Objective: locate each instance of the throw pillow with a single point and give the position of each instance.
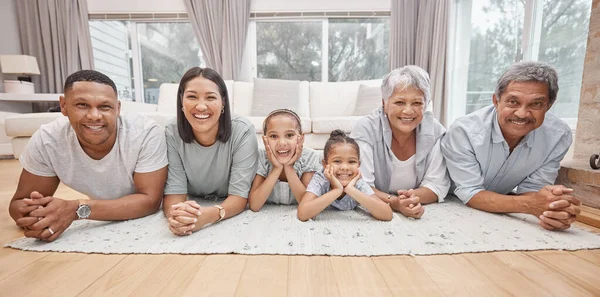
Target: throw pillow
(271, 94)
(368, 98)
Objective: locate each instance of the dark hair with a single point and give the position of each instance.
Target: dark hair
(338, 136)
(88, 75)
(530, 71)
(282, 111)
(185, 129)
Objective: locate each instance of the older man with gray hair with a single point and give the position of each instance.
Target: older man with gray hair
(505, 158)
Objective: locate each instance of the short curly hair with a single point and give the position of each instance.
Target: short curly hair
(338, 136)
(89, 75)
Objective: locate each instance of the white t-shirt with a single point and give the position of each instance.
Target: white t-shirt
(436, 178)
(54, 150)
(404, 174)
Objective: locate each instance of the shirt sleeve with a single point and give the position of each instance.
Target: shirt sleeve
(311, 163)
(362, 186)
(35, 159)
(153, 155)
(245, 163)
(436, 176)
(547, 173)
(317, 184)
(360, 134)
(262, 169)
(462, 163)
(176, 179)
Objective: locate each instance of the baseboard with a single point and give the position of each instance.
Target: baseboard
(589, 216)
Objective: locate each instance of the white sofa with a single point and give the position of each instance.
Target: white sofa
(323, 107)
(5, 140)
(20, 127)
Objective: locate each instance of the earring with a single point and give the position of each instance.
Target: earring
(182, 109)
(223, 110)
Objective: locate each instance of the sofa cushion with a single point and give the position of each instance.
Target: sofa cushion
(131, 106)
(270, 94)
(27, 123)
(159, 117)
(325, 125)
(328, 99)
(242, 105)
(368, 98)
(167, 98)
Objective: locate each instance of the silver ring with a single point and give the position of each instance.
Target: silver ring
(51, 232)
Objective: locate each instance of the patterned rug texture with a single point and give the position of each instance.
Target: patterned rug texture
(446, 228)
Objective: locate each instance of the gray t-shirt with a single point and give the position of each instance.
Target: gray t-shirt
(309, 161)
(216, 171)
(319, 185)
(54, 150)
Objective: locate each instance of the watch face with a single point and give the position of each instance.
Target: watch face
(84, 211)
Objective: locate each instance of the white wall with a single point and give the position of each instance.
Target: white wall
(9, 34)
(177, 6)
(135, 6)
(319, 5)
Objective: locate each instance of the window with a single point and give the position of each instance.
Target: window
(337, 49)
(167, 51)
(492, 34)
(497, 30)
(289, 50)
(562, 42)
(358, 49)
(112, 55)
(140, 56)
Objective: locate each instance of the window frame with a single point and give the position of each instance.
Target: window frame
(135, 50)
(251, 71)
(459, 51)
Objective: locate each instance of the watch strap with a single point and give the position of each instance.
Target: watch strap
(221, 212)
(82, 204)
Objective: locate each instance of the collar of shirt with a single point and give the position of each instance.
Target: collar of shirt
(497, 136)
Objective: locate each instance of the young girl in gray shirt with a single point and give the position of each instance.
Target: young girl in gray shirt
(284, 166)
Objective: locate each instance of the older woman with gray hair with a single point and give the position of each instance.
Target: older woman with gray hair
(399, 144)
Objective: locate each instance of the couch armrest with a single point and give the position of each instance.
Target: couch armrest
(26, 124)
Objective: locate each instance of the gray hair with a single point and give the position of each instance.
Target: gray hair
(404, 77)
(529, 71)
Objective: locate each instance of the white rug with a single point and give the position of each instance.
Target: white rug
(446, 228)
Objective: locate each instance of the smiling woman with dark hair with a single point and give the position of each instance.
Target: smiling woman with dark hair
(210, 154)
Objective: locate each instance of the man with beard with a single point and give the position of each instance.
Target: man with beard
(118, 161)
(505, 158)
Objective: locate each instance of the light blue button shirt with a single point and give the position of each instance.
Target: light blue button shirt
(320, 185)
(478, 158)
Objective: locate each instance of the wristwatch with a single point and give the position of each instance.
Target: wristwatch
(221, 212)
(84, 210)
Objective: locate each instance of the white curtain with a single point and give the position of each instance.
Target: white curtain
(419, 36)
(57, 33)
(221, 27)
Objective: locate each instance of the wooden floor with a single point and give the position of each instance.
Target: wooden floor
(541, 273)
